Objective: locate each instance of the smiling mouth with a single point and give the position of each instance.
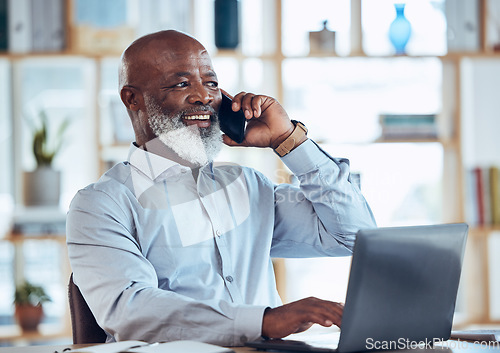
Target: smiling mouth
(202, 120)
(197, 117)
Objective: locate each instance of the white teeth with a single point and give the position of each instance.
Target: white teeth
(197, 117)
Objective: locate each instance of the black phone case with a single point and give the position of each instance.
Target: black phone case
(231, 123)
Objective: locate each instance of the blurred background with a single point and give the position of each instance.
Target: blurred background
(408, 91)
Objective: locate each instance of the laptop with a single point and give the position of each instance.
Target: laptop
(402, 290)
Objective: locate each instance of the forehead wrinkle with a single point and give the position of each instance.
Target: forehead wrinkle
(209, 73)
(154, 49)
(151, 58)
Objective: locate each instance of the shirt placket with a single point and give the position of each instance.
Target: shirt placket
(227, 271)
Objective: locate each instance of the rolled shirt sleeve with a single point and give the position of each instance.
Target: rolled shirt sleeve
(324, 212)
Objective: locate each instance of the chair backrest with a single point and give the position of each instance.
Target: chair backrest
(84, 326)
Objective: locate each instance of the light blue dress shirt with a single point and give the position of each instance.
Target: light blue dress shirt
(159, 255)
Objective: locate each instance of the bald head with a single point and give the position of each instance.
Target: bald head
(145, 55)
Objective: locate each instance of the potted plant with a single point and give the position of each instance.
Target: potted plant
(42, 186)
(28, 300)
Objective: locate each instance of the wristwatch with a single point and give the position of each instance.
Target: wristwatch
(291, 141)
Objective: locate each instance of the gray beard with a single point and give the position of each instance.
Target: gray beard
(195, 145)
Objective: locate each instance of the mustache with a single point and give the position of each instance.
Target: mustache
(203, 108)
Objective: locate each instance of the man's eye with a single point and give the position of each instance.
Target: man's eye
(181, 84)
(213, 84)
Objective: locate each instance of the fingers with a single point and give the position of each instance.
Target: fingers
(226, 94)
(268, 123)
(304, 327)
(230, 142)
(323, 312)
(250, 103)
(299, 316)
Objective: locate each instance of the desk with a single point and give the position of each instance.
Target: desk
(59, 349)
(454, 347)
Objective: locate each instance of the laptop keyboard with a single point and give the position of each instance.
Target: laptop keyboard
(324, 340)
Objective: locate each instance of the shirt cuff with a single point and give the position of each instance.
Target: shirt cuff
(248, 324)
(304, 158)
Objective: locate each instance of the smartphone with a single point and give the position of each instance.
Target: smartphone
(231, 123)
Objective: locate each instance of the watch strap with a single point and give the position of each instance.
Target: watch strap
(290, 142)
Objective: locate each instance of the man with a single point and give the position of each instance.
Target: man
(168, 246)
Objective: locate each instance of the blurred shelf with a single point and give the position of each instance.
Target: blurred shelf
(41, 55)
(46, 332)
(447, 143)
(455, 56)
(410, 140)
(237, 54)
(17, 237)
(482, 231)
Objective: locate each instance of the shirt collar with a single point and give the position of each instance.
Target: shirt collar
(150, 164)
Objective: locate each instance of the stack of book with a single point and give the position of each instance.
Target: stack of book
(32, 25)
(408, 126)
(483, 196)
(97, 26)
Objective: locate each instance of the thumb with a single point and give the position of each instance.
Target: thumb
(230, 142)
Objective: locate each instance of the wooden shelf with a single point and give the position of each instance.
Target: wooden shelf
(15, 237)
(483, 230)
(455, 56)
(238, 54)
(411, 140)
(19, 56)
(46, 332)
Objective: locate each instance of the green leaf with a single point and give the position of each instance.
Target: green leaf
(28, 293)
(42, 150)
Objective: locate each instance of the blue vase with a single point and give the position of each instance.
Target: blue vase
(400, 30)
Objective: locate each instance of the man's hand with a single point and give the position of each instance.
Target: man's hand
(268, 123)
(299, 316)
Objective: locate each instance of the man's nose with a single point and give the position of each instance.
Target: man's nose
(200, 95)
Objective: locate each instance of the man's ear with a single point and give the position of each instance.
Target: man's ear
(131, 97)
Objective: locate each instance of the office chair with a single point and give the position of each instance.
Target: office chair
(84, 326)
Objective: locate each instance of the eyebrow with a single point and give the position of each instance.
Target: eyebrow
(210, 73)
(182, 74)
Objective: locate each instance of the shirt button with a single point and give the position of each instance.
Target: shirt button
(218, 232)
(229, 279)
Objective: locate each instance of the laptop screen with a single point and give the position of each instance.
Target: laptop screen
(402, 290)
(402, 286)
